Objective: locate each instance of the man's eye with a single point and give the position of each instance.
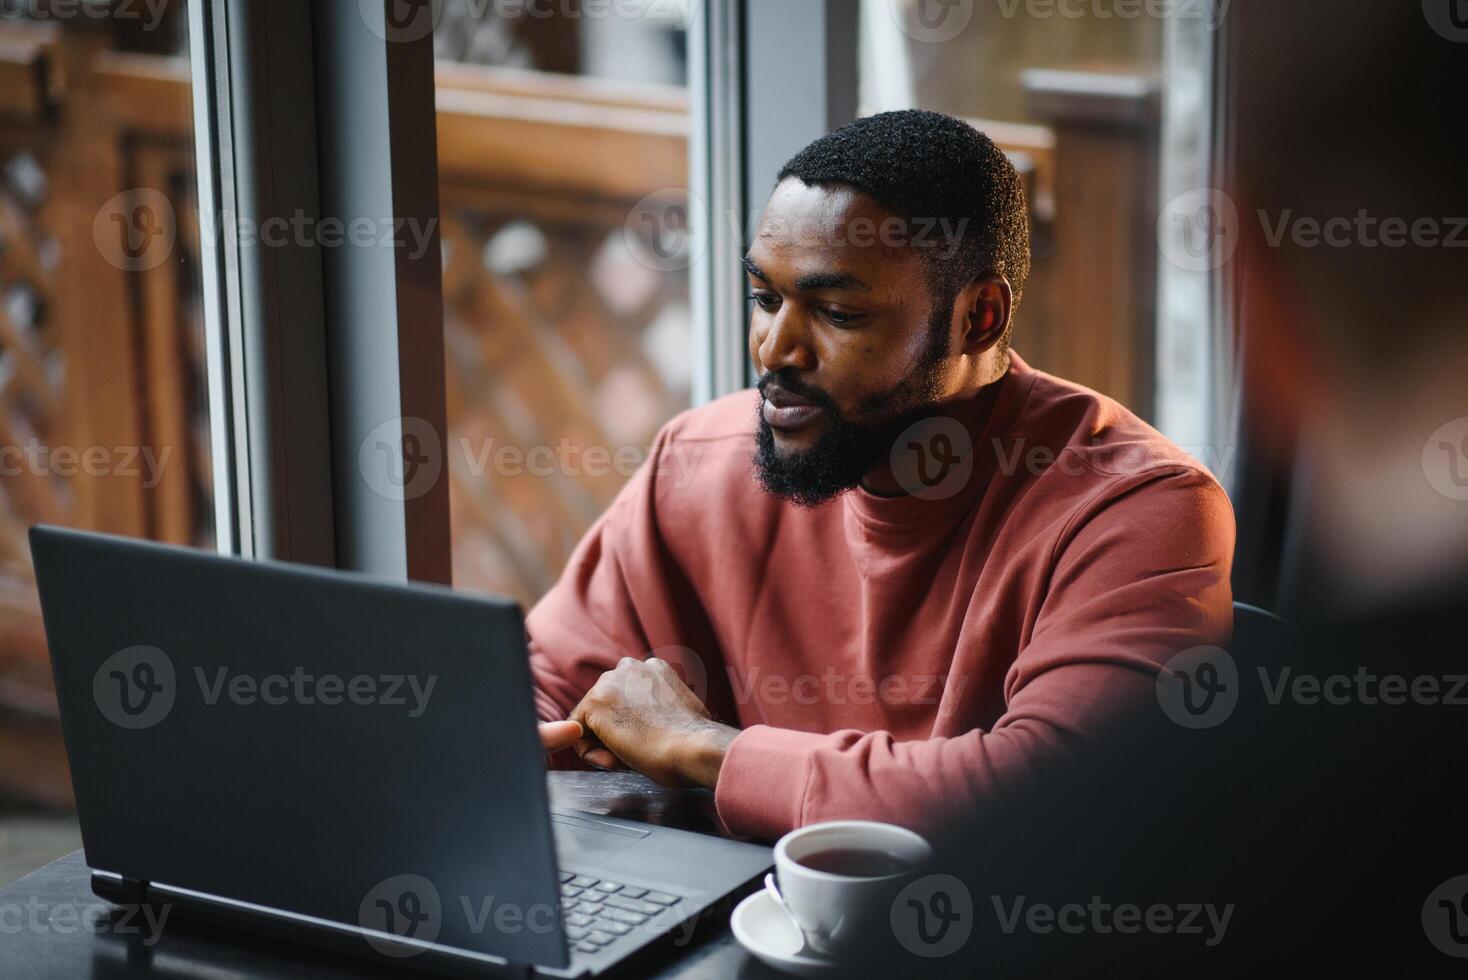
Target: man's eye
(766, 301)
(840, 319)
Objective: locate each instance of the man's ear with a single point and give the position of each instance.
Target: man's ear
(983, 309)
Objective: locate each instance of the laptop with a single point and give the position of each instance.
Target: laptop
(344, 761)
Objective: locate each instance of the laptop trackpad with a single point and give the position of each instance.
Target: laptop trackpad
(582, 839)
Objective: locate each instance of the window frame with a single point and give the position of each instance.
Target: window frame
(308, 110)
(1195, 388)
(808, 47)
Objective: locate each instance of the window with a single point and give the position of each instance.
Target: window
(561, 128)
(1105, 107)
(104, 407)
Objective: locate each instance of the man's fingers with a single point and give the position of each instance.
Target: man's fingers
(557, 735)
(602, 759)
(593, 753)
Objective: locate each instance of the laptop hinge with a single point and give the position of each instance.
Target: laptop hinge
(131, 891)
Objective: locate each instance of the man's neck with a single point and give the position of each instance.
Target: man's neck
(972, 408)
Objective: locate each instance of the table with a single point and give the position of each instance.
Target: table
(52, 926)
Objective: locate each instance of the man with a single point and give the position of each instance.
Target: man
(942, 568)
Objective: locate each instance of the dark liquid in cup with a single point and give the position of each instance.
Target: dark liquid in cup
(854, 862)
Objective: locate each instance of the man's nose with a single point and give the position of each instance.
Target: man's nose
(786, 344)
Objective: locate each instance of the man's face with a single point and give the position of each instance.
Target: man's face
(849, 343)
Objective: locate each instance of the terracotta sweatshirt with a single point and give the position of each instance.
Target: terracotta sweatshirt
(898, 658)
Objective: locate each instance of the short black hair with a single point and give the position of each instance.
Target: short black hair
(925, 166)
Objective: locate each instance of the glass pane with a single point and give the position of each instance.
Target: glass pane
(567, 326)
(1072, 93)
(103, 408)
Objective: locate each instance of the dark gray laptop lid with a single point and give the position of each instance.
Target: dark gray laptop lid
(310, 741)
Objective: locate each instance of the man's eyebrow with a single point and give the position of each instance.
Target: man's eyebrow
(812, 281)
(830, 280)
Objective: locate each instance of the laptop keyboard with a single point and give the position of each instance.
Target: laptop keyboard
(598, 912)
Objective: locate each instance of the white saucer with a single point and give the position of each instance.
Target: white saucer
(763, 928)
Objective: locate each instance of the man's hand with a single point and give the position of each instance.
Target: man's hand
(557, 735)
(643, 713)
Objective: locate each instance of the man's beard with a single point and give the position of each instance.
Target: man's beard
(848, 449)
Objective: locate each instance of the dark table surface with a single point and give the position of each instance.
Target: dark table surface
(53, 926)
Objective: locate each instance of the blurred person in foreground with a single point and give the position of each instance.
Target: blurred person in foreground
(1313, 817)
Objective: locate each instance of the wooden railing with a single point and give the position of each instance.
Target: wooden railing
(554, 332)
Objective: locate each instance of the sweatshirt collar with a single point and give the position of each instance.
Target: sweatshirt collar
(967, 482)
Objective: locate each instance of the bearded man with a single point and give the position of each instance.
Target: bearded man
(908, 570)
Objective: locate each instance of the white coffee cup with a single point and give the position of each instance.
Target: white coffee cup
(834, 910)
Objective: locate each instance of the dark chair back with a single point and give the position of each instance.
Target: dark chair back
(1257, 629)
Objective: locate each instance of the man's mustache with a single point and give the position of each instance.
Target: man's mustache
(800, 389)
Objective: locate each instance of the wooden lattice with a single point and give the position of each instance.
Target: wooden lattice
(559, 343)
(32, 393)
(99, 364)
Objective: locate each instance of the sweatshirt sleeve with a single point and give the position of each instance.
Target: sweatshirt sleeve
(612, 601)
(1141, 573)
